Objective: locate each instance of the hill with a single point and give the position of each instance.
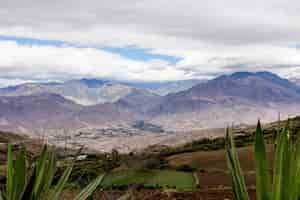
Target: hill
(242, 97)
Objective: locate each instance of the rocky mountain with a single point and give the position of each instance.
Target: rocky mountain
(242, 87)
(84, 91)
(164, 88)
(134, 106)
(95, 91)
(53, 112)
(89, 104)
(240, 97)
(40, 111)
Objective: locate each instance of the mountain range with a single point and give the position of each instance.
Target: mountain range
(87, 104)
(94, 91)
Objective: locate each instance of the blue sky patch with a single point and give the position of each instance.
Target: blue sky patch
(136, 53)
(131, 52)
(32, 41)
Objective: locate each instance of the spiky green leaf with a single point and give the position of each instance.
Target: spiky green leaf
(88, 190)
(263, 181)
(239, 186)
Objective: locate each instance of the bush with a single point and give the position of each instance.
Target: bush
(185, 168)
(153, 163)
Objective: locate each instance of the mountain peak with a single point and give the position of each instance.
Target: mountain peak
(262, 74)
(239, 75)
(93, 83)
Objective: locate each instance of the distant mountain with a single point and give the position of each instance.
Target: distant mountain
(53, 113)
(241, 97)
(27, 113)
(257, 88)
(296, 81)
(134, 106)
(83, 91)
(140, 101)
(164, 88)
(94, 91)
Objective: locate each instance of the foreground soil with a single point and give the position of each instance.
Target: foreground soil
(221, 194)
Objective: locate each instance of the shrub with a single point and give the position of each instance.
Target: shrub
(153, 163)
(185, 168)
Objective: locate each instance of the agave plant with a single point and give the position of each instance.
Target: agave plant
(285, 183)
(37, 184)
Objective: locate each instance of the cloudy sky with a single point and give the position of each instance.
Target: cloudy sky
(146, 40)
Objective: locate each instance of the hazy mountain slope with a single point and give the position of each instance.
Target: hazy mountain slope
(241, 98)
(83, 91)
(25, 89)
(140, 101)
(42, 111)
(91, 91)
(134, 106)
(164, 88)
(94, 91)
(176, 86)
(238, 88)
(53, 112)
(296, 81)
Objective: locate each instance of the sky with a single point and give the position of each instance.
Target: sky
(143, 40)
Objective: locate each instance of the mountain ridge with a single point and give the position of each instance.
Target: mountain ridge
(242, 97)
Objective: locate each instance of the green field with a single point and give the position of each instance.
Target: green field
(151, 178)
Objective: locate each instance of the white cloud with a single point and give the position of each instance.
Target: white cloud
(50, 62)
(5, 82)
(59, 63)
(212, 37)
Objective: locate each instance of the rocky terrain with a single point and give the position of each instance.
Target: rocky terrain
(56, 111)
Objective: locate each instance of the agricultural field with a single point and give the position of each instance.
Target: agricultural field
(192, 171)
(212, 166)
(151, 178)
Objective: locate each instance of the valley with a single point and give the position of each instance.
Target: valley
(137, 118)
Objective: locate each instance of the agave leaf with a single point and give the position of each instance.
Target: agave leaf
(29, 186)
(20, 174)
(288, 171)
(239, 186)
(51, 170)
(88, 190)
(279, 162)
(54, 194)
(292, 174)
(10, 173)
(1, 196)
(263, 181)
(296, 186)
(40, 174)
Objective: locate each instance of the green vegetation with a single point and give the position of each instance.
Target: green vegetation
(243, 137)
(36, 182)
(150, 178)
(6, 137)
(206, 145)
(199, 163)
(286, 167)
